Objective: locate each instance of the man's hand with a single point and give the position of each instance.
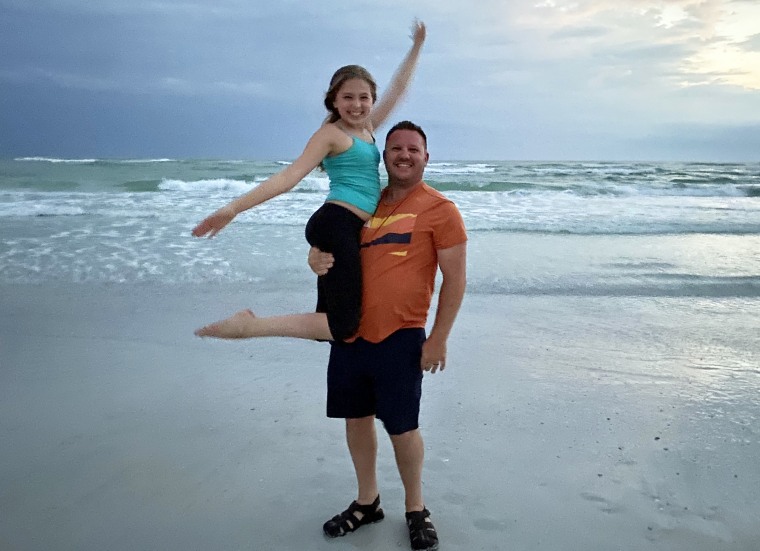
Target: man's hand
(320, 261)
(433, 355)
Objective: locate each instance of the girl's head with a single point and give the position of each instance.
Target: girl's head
(341, 76)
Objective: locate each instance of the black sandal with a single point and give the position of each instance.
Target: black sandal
(422, 533)
(348, 521)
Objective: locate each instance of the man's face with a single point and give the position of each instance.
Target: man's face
(405, 157)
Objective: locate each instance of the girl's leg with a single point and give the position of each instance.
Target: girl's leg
(332, 229)
(336, 230)
(245, 324)
(341, 288)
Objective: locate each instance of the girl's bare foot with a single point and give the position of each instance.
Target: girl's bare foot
(237, 326)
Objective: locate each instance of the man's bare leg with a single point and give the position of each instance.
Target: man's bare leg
(362, 444)
(245, 324)
(410, 455)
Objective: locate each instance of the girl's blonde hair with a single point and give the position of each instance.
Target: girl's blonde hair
(338, 79)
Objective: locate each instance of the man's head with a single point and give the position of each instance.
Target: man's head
(405, 154)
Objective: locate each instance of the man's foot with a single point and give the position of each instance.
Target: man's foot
(352, 518)
(422, 534)
(237, 326)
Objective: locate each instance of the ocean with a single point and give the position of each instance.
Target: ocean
(571, 228)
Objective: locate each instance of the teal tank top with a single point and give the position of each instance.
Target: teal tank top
(354, 175)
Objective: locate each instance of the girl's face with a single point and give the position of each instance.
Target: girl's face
(354, 102)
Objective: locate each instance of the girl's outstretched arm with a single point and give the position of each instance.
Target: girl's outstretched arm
(401, 78)
(319, 146)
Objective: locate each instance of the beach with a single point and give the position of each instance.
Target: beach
(601, 390)
(561, 422)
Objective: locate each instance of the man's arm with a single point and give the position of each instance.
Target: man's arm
(452, 262)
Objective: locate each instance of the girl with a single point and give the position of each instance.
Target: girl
(345, 147)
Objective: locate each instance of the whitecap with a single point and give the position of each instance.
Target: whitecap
(218, 184)
(54, 160)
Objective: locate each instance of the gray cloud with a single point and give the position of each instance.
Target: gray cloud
(246, 78)
(752, 44)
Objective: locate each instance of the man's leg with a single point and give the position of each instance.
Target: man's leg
(362, 444)
(349, 396)
(410, 455)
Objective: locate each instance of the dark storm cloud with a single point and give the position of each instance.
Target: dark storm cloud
(246, 78)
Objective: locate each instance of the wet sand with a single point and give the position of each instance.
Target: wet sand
(561, 423)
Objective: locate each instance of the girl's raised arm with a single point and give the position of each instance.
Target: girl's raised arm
(318, 147)
(401, 78)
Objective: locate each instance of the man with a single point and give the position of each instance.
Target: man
(414, 231)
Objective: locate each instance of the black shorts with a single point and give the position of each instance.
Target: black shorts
(337, 230)
(383, 379)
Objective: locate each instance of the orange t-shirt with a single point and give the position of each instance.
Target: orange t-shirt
(399, 260)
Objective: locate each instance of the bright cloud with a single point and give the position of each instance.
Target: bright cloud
(726, 57)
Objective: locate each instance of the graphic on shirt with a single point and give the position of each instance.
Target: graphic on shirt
(394, 229)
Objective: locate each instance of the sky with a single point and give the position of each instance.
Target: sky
(675, 80)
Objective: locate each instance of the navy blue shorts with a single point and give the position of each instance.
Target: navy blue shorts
(382, 379)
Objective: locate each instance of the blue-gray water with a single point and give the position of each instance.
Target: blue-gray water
(640, 229)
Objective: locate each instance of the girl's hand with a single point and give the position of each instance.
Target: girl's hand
(214, 223)
(418, 32)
